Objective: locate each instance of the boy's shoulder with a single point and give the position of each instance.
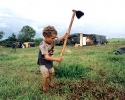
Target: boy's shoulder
(43, 43)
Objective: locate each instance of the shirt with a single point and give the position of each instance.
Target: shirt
(46, 48)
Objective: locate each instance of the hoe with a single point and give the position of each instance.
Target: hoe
(78, 14)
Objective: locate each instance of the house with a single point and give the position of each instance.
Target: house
(85, 39)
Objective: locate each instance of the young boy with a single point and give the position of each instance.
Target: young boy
(14, 46)
(45, 56)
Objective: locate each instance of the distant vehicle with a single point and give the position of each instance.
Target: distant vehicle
(28, 44)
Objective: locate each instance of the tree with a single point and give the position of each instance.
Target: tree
(9, 41)
(12, 37)
(26, 34)
(37, 41)
(1, 34)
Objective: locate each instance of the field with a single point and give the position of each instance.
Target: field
(86, 73)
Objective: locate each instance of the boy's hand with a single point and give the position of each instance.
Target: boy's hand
(59, 59)
(66, 35)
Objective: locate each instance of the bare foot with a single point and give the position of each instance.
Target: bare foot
(52, 85)
(44, 90)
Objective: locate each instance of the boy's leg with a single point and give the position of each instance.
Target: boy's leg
(45, 75)
(51, 81)
(44, 81)
(51, 76)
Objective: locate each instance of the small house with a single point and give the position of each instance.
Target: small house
(85, 39)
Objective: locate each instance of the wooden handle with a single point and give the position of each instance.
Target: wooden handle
(70, 25)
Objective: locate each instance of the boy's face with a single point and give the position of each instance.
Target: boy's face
(50, 39)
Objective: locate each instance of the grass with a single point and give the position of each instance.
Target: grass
(115, 40)
(86, 73)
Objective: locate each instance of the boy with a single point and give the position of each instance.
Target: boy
(14, 46)
(45, 56)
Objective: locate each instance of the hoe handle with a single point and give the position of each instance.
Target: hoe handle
(70, 25)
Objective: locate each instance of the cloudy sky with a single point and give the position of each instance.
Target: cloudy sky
(103, 17)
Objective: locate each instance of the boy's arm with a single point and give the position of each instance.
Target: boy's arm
(62, 37)
(48, 57)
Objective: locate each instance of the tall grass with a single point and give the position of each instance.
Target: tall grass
(73, 70)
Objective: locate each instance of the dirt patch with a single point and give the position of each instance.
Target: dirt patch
(88, 89)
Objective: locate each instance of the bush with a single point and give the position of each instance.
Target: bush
(37, 41)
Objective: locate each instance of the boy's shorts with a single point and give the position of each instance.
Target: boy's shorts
(46, 72)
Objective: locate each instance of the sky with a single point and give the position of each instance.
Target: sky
(102, 17)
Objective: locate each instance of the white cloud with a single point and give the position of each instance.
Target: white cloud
(3, 25)
(4, 15)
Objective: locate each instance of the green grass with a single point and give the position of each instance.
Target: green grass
(116, 40)
(85, 73)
